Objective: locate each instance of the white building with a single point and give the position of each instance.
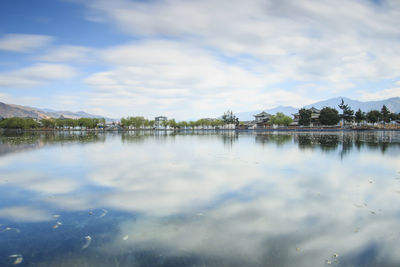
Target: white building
(158, 122)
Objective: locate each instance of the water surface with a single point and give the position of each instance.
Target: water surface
(200, 199)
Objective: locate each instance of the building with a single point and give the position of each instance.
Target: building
(158, 122)
(314, 117)
(261, 119)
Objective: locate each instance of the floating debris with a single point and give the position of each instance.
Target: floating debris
(18, 258)
(90, 212)
(58, 224)
(55, 216)
(125, 238)
(10, 229)
(200, 214)
(88, 241)
(373, 212)
(298, 249)
(104, 213)
(356, 230)
(370, 181)
(333, 259)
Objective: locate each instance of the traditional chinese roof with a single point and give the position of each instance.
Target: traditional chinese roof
(263, 114)
(314, 110)
(160, 118)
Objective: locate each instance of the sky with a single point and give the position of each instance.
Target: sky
(192, 59)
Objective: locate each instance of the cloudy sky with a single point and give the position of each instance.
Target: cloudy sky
(191, 59)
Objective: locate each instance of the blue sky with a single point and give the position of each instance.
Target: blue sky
(191, 59)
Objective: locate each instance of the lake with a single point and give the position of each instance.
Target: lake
(200, 199)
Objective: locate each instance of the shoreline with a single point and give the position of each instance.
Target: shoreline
(302, 129)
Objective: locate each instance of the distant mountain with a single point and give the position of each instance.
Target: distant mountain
(393, 104)
(10, 110)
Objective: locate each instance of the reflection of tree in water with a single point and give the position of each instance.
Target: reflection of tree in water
(278, 139)
(327, 142)
(346, 141)
(304, 141)
(317, 140)
(21, 141)
(229, 138)
(135, 136)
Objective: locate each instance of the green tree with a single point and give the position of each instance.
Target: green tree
(329, 116)
(48, 123)
(304, 117)
(151, 123)
(373, 116)
(172, 123)
(394, 116)
(165, 123)
(359, 116)
(19, 123)
(125, 122)
(385, 114)
(347, 112)
(217, 123)
(192, 124)
(280, 119)
(230, 118)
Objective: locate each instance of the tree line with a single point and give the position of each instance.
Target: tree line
(331, 116)
(30, 123)
(142, 123)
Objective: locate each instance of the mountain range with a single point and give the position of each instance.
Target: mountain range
(393, 104)
(10, 110)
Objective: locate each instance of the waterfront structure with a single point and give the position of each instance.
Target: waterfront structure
(158, 122)
(261, 119)
(314, 118)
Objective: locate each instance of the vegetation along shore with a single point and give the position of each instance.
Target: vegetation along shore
(305, 119)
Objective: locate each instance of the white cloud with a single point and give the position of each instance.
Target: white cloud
(382, 94)
(319, 40)
(232, 54)
(23, 42)
(21, 100)
(67, 53)
(156, 75)
(35, 75)
(25, 214)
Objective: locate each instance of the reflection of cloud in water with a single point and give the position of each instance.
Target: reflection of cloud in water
(255, 230)
(25, 214)
(40, 182)
(246, 205)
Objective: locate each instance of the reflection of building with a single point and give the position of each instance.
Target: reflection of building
(262, 119)
(158, 122)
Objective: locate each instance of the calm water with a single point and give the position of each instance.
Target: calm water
(287, 199)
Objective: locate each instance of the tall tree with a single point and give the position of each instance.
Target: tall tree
(385, 114)
(394, 116)
(230, 118)
(373, 116)
(304, 117)
(329, 116)
(347, 112)
(359, 116)
(280, 119)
